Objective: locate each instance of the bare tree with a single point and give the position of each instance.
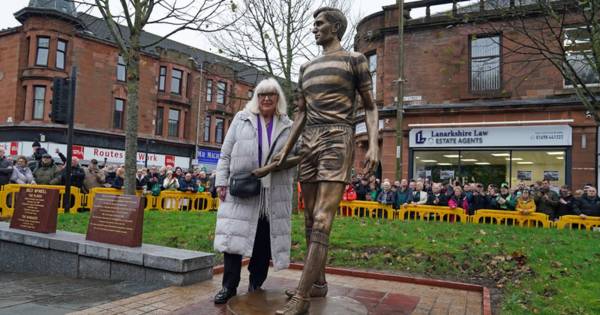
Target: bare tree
(178, 15)
(275, 36)
(564, 33)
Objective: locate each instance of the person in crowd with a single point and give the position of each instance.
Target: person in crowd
(6, 168)
(565, 203)
(170, 182)
(187, 183)
(349, 193)
(427, 186)
(490, 197)
(119, 181)
(362, 189)
(38, 151)
(437, 198)
(588, 205)
(141, 179)
(21, 173)
(178, 173)
(94, 177)
(154, 179)
(386, 195)
(525, 203)
(412, 185)
(202, 181)
(110, 173)
(212, 188)
(419, 196)
(577, 195)
(374, 189)
(403, 194)
(46, 170)
(77, 175)
(458, 199)
(477, 200)
(546, 200)
(504, 200)
(257, 226)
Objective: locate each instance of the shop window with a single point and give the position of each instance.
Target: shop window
(209, 90)
(39, 99)
(158, 127)
(173, 123)
(43, 45)
(176, 81)
(485, 64)
(219, 129)
(118, 113)
(373, 71)
(121, 69)
(578, 49)
(486, 167)
(531, 166)
(162, 77)
(436, 165)
(221, 91)
(61, 54)
(207, 129)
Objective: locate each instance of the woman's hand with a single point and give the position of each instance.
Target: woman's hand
(222, 192)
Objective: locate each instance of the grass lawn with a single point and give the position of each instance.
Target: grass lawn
(545, 271)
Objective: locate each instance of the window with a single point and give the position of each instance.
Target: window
(162, 77)
(158, 125)
(209, 90)
(118, 113)
(176, 81)
(207, 129)
(173, 123)
(485, 64)
(220, 125)
(121, 69)
(250, 93)
(39, 99)
(373, 71)
(221, 90)
(61, 53)
(43, 44)
(579, 56)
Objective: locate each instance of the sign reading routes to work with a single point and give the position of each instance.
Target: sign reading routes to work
(116, 219)
(36, 210)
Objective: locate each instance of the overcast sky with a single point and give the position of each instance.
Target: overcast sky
(359, 8)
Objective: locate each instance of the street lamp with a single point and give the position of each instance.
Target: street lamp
(148, 141)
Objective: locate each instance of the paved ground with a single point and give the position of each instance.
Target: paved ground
(31, 294)
(380, 297)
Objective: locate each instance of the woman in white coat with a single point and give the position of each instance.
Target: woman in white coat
(258, 227)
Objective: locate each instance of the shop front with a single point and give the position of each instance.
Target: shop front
(492, 155)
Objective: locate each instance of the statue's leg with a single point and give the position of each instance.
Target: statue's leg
(328, 198)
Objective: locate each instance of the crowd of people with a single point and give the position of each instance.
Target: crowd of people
(42, 169)
(540, 196)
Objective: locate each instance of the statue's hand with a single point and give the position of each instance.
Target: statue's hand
(372, 158)
(278, 159)
(261, 172)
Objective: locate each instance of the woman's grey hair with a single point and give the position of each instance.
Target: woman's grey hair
(267, 86)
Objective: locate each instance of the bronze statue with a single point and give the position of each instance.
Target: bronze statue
(327, 88)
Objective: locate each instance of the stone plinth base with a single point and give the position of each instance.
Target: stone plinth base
(267, 302)
(71, 255)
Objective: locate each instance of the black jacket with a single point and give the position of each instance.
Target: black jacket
(442, 200)
(565, 209)
(6, 170)
(587, 206)
(77, 177)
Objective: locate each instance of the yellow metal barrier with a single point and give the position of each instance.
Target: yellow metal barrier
(187, 201)
(571, 221)
(432, 213)
(507, 217)
(148, 199)
(8, 197)
(370, 209)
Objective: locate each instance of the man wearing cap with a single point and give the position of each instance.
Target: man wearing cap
(504, 200)
(38, 151)
(94, 177)
(46, 170)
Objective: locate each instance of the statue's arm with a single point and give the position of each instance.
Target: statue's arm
(372, 122)
(295, 133)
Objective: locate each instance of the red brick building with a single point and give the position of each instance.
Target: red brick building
(468, 122)
(187, 96)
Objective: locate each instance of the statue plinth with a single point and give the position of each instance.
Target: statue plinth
(263, 302)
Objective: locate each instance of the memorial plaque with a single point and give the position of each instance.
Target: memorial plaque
(36, 210)
(116, 219)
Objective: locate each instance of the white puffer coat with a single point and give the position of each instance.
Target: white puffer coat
(237, 218)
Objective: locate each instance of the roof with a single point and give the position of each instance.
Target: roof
(96, 27)
(64, 6)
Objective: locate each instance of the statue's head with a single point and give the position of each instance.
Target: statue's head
(330, 23)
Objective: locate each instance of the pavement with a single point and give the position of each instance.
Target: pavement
(379, 296)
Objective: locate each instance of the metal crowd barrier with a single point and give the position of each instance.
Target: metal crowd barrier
(187, 201)
(432, 213)
(365, 209)
(575, 221)
(8, 197)
(501, 217)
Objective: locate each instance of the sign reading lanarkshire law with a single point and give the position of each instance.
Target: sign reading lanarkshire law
(521, 136)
